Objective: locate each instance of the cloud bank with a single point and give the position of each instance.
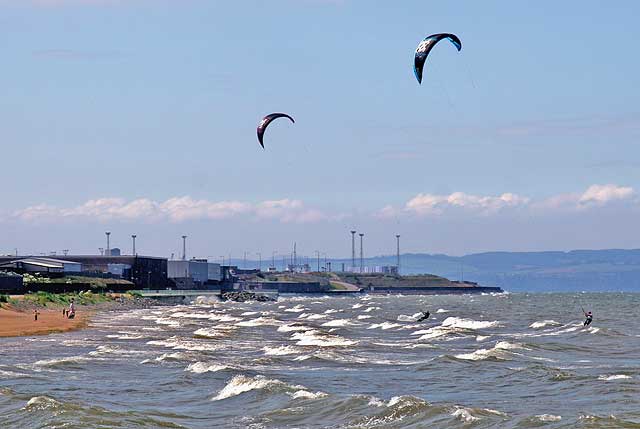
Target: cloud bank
(423, 205)
(177, 209)
(432, 205)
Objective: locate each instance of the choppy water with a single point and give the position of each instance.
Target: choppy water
(508, 360)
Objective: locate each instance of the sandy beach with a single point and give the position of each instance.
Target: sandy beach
(15, 323)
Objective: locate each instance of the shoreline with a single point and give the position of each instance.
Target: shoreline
(17, 318)
(16, 323)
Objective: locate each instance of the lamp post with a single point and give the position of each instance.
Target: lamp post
(353, 250)
(184, 247)
(361, 255)
(133, 238)
(108, 250)
(398, 252)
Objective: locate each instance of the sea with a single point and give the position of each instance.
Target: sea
(510, 360)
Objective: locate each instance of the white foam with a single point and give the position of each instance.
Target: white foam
(316, 338)
(168, 322)
(213, 332)
(280, 350)
(464, 415)
(177, 356)
(62, 361)
(548, 418)
(497, 352)
(241, 384)
(182, 314)
(297, 309)
(250, 313)
(305, 394)
(376, 402)
(457, 322)
(203, 367)
(331, 310)
(384, 326)
(369, 309)
(405, 318)
(357, 305)
(312, 316)
(179, 344)
(480, 338)
(613, 377)
(337, 323)
(364, 316)
(544, 323)
(42, 403)
(442, 310)
(125, 336)
(260, 321)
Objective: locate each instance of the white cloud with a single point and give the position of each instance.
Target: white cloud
(437, 205)
(603, 194)
(427, 204)
(177, 209)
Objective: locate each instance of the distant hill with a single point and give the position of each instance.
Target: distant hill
(577, 270)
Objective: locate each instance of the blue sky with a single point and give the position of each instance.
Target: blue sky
(139, 117)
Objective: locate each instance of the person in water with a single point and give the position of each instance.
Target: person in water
(424, 316)
(589, 318)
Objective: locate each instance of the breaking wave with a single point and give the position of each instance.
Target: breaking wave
(241, 384)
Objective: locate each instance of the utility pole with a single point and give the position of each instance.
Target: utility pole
(325, 261)
(353, 250)
(133, 238)
(273, 259)
(398, 253)
(318, 255)
(184, 247)
(259, 261)
(108, 251)
(361, 255)
(244, 260)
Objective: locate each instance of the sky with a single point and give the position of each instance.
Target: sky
(139, 117)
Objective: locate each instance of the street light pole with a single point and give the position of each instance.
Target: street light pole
(108, 251)
(133, 237)
(361, 255)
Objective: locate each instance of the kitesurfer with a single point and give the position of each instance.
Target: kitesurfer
(589, 318)
(424, 316)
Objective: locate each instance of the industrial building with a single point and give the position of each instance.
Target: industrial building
(144, 272)
(193, 273)
(39, 265)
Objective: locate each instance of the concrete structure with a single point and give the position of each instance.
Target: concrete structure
(192, 273)
(214, 271)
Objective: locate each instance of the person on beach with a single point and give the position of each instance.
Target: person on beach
(71, 313)
(424, 316)
(589, 318)
(35, 315)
